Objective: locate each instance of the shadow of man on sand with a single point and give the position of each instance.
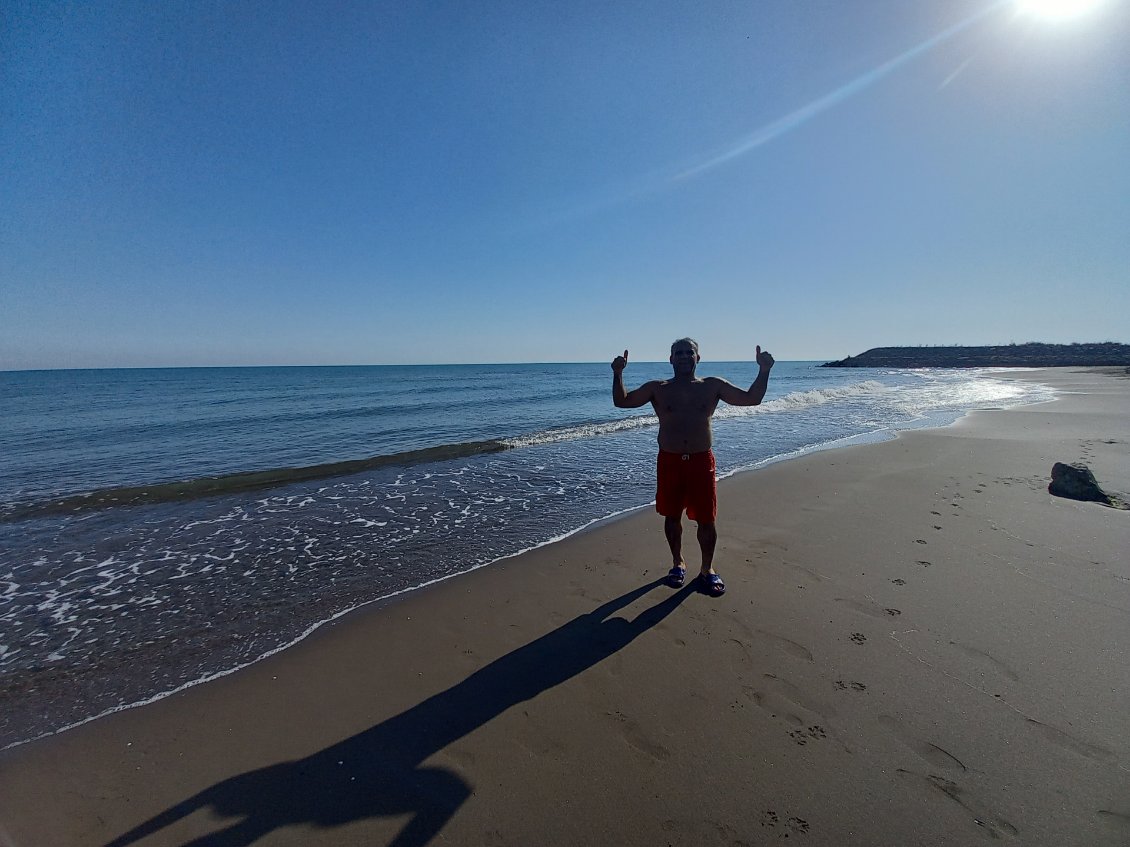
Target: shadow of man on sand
(378, 772)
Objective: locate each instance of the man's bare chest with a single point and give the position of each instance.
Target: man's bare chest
(685, 401)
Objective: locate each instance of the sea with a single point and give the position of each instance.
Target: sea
(161, 527)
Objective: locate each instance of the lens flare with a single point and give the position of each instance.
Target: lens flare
(1056, 9)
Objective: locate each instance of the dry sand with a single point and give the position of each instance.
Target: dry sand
(919, 646)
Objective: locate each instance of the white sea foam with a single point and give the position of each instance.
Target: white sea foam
(310, 630)
(800, 400)
(572, 433)
(792, 402)
(975, 393)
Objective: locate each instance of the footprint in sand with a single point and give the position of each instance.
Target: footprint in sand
(858, 637)
(794, 825)
(634, 735)
(854, 686)
(810, 733)
(778, 694)
(807, 575)
(867, 608)
(988, 658)
(1114, 821)
(927, 751)
(1075, 745)
(805, 715)
(899, 581)
(797, 826)
(785, 645)
(922, 562)
(919, 541)
(980, 815)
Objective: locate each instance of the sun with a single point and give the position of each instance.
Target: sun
(1056, 10)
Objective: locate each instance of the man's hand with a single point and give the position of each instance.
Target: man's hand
(764, 360)
(635, 398)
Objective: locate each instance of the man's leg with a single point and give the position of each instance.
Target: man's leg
(707, 539)
(673, 529)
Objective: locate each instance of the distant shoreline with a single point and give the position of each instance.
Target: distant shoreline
(1031, 355)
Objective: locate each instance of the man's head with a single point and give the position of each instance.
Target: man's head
(684, 355)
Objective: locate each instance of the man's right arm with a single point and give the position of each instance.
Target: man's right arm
(623, 399)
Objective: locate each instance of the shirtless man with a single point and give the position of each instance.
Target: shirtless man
(685, 469)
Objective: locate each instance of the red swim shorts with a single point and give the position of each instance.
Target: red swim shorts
(686, 481)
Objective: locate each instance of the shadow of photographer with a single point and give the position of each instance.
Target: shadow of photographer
(379, 772)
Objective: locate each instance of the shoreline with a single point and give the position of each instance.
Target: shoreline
(824, 538)
(367, 606)
(845, 442)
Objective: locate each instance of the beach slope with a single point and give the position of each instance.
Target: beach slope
(919, 645)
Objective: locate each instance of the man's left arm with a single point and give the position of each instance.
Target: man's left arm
(733, 395)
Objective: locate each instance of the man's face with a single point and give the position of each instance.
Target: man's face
(683, 358)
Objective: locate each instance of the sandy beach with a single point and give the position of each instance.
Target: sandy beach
(919, 646)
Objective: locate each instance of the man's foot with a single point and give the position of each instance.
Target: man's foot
(711, 584)
(677, 576)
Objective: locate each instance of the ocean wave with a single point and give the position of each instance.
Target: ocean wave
(211, 486)
(578, 431)
(792, 402)
(799, 400)
(979, 393)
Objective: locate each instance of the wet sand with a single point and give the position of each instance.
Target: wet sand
(919, 645)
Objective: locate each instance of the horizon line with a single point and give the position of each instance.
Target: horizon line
(368, 365)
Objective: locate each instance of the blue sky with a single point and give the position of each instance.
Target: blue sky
(352, 183)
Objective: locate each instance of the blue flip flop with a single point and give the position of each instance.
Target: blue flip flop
(676, 577)
(712, 584)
